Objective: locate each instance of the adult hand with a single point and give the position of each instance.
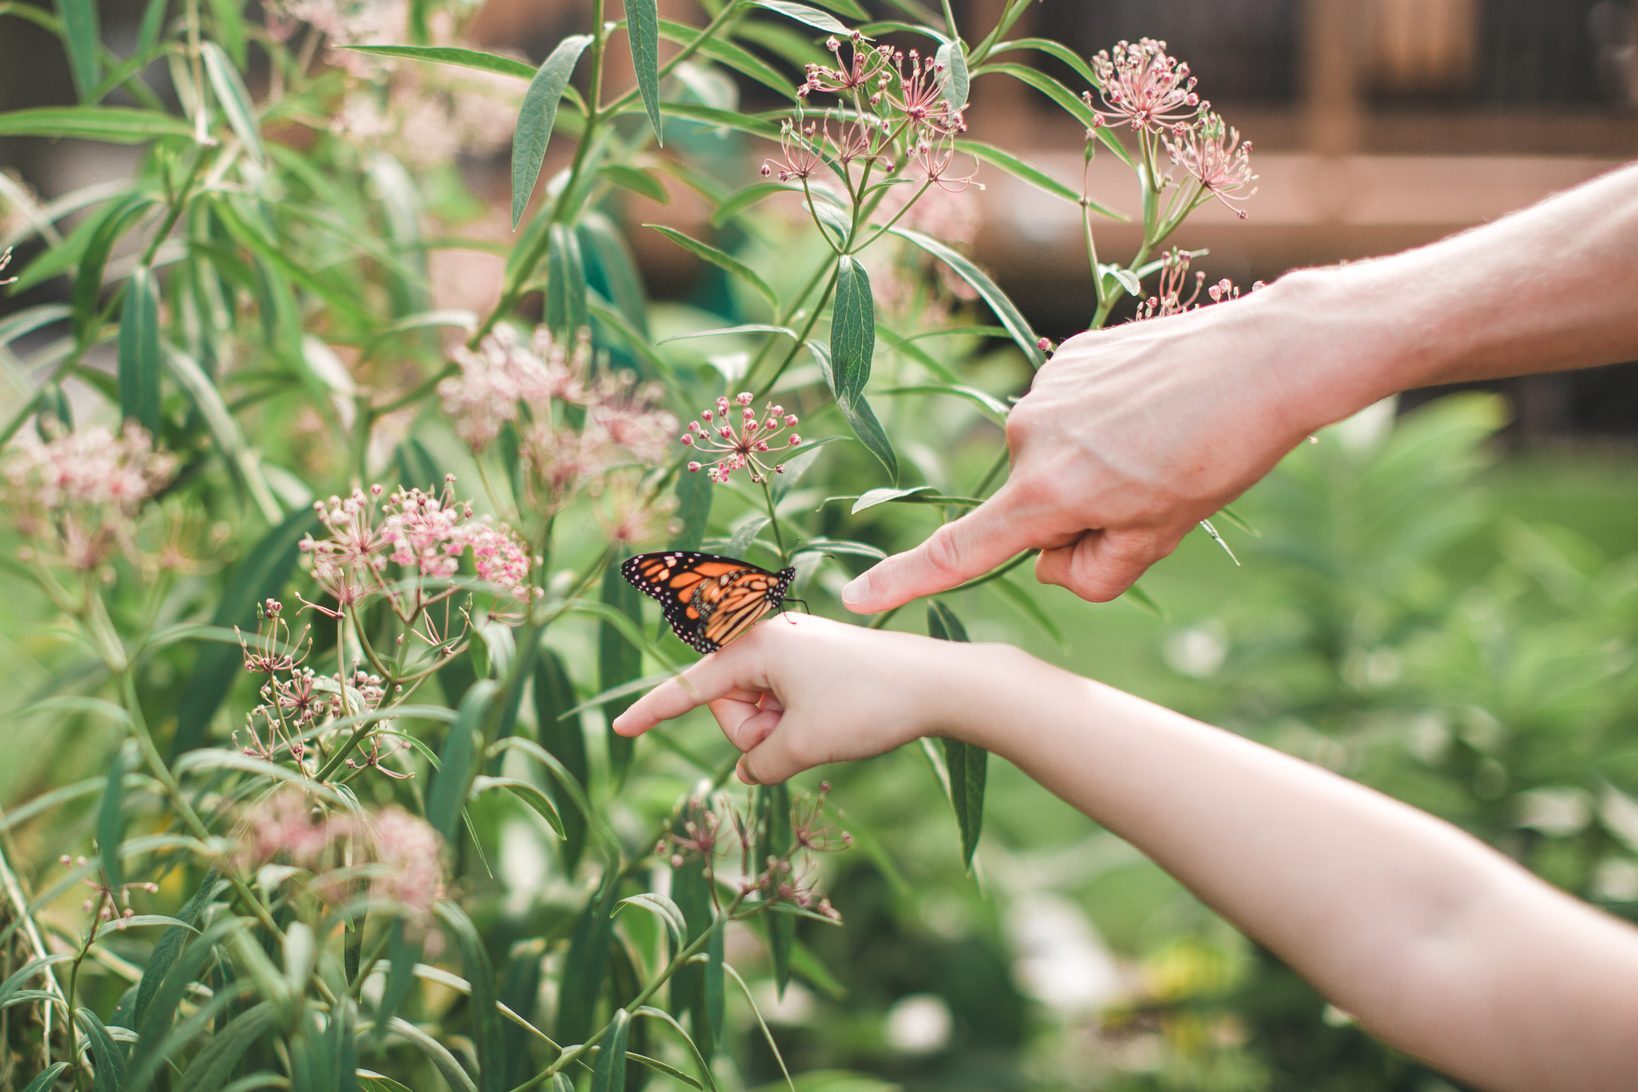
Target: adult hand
(1127, 439)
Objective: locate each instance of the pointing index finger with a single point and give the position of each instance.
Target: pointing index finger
(717, 676)
(955, 553)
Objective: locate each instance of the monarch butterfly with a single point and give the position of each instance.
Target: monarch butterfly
(708, 600)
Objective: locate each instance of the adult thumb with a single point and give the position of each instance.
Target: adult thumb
(954, 554)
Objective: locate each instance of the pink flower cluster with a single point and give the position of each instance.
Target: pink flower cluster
(530, 387)
(425, 534)
(711, 827)
(736, 437)
(399, 852)
(1143, 87)
(895, 110)
(77, 495)
(1218, 159)
(1176, 293)
(498, 383)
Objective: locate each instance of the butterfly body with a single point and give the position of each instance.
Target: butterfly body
(708, 600)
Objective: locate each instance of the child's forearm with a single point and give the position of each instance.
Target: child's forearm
(1432, 940)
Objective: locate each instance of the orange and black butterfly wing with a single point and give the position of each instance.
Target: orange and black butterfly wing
(740, 603)
(708, 600)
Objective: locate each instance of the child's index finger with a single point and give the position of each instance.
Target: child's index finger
(712, 678)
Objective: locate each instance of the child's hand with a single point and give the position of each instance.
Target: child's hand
(798, 691)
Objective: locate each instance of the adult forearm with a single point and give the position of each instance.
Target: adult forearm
(1435, 942)
(1544, 289)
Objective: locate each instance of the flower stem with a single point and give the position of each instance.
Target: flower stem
(773, 518)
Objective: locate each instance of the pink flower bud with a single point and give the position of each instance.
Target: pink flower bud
(693, 468)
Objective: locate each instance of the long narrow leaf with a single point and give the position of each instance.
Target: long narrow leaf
(139, 354)
(966, 764)
(1005, 310)
(643, 34)
(538, 116)
(82, 34)
(852, 329)
(721, 259)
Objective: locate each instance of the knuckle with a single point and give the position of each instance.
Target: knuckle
(943, 551)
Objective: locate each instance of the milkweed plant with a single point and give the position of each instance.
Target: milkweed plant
(320, 475)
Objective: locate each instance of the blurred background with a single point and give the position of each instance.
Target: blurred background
(1439, 599)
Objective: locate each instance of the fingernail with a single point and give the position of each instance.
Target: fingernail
(744, 776)
(856, 591)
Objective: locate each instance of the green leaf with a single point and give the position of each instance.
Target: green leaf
(565, 283)
(458, 761)
(12, 986)
(111, 224)
(536, 118)
(852, 329)
(1018, 168)
(565, 738)
(643, 35)
(170, 945)
(139, 355)
(610, 1074)
(260, 574)
(694, 497)
(475, 59)
(733, 331)
(862, 420)
(636, 180)
(983, 399)
(732, 120)
(859, 416)
(957, 83)
(722, 260)
(47, 1080)
(439, 1055)
(1003, 307)
(106, 1054)
(586, 965)
(111, 820)
(224, 430)
(480, 973)
(966, 764)
(729, 54)
(30, 319)
(775, 839)
(1116, 276)
(662, 907)
(884, 496)
(618, 661)
(802, 13)
(108, 124)
(1066, 100)
(82, 34)
(1052, 49)
(235, 99)
(228, 15)
(153, 21)
(531, 795)
(222, 1053)
(751, 195)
